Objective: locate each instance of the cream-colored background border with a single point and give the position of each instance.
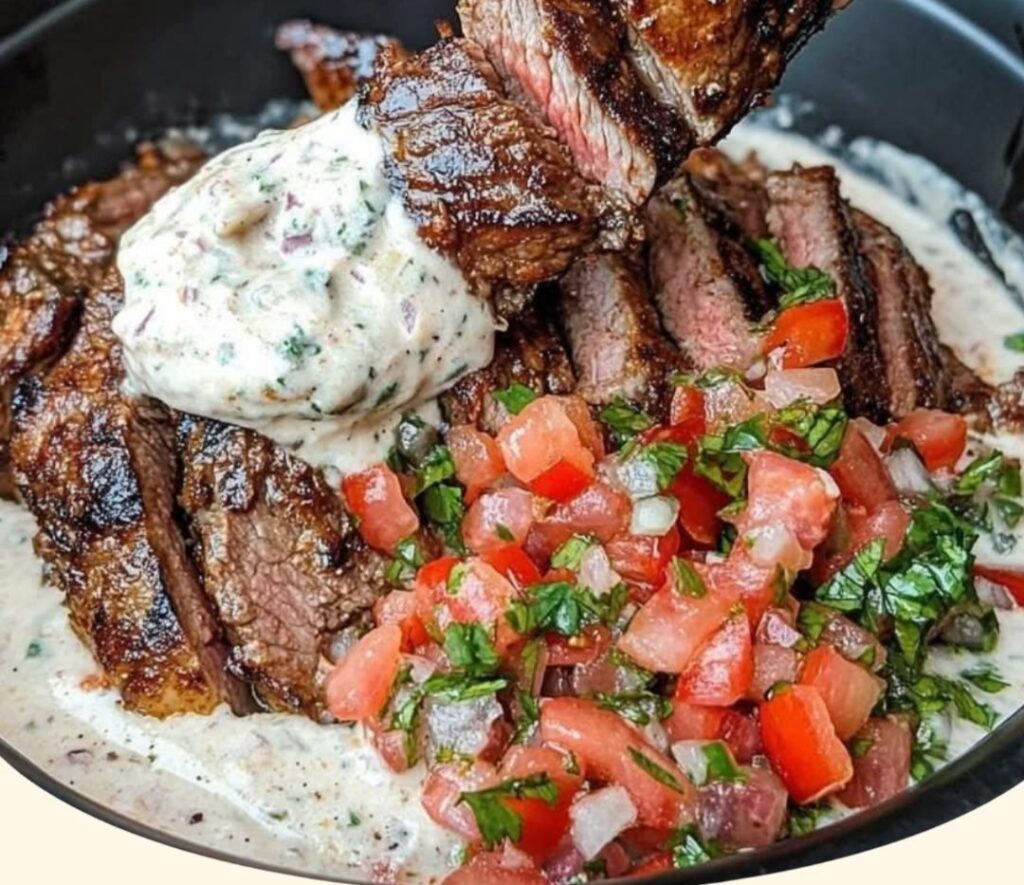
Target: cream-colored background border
(44, 841)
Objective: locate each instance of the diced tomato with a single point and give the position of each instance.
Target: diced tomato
(586, 648)
(688, 405)
(600, 510)
(443, 788)
(729, 402)
(860, 472)
(689, 722)
(1011, 579)
(810, 333)
(495, 868)
(539, 437)
(756, 587)
(670, 629)
(643, 559)
(890, 522)
(849, 691)
(544, 825)
(608, 748)
(360, 683)
(478, 461)
(498, 518)
(699, 503)
(512, 562)
(723, 670)
(853, 642)
(432, 587)
(881, 763)
(562, 481)
(742, 733)
(772, 664)
(478, 594)
(802, 744)
(391, 746)
(744, 813)
(939, 437)
(781, 491)
(375, 497)
(401, 607)
(578, 412)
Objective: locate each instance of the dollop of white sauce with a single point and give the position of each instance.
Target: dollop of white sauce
(285, 288)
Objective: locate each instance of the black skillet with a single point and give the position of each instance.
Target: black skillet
(80, 81)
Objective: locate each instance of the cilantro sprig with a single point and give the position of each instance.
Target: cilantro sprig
(495, 820)
(798, 285)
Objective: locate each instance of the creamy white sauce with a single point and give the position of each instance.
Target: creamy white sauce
(283, 790)
(286, 289)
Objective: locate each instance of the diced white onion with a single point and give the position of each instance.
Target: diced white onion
(421, 668)
(691, 758)
(772, 545)
(653, 517)
(639, 477)
(463, 726)
(908, 473)
(791, 385)
(596, 572)
(655, 734)
(831, 489)
(599, 817)
(876, 435)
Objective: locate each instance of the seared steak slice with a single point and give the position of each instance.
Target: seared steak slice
(617, 344)
(734, 190)
(482, 178)
(913, 356)
(530, 352)
(333, 63)
(277, 555)
(44, 277)
(714, 59)
(568, 57)
(812, 225)
(97, 471)
(707, 287)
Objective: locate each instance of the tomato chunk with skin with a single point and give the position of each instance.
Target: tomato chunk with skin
(860, 472)
(688, 406)
(741, 579)
(477, 457)
(608, 747)
(402, 607)
(699, 503)
(889, 522)
(881, 768)
(564, 480)
(802, 744)
(690, 722)
(600, 510)
(939, 437)
(643, 559)
(498, 518)
(496, 868)
(359, 685)
(810, 333)
(722, 672)
(849, 691)
(513, 563)
(443, 788)
(540, 436)
(375, 497)
(1011, 579)
(577, 410)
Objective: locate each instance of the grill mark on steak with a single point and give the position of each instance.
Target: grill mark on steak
(44, 277)
(707, 287)
(568, 58)
(812, 225)
(531, 352)
(734, 190)
(914, 361)
(333, 63)
(96, 470)
(278, 557)
(615, 337)
(713, 60)
(485, 182)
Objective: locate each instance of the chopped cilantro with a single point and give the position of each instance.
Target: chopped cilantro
(405, 563)
(654, 770)
(457, 686)
(639, 706)
(515, 397)
(821, 430)
(624, 421)
(667, 458)
(985, 678)
(495, 820)
(528, 719)
(1014, 342)
(558, 607)
(504, 532)
(298, 346)
(686, 579)
(720, 764)
(799, 285)
(570, 554)
(689, 849)
(470, 648)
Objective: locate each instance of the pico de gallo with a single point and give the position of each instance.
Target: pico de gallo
(620, 647)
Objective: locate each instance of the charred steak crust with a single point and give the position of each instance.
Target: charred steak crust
(278, 556)
(44, 277)
(485, 182)
(97, 471)
(568, 57)
(813, 226)
(735, 191)
(333, 63)
(617, 343)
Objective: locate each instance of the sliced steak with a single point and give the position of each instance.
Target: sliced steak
(568, 57)
(914, 361)
(44, 277)
(333, 63)
(812, 225)
(714, 59)
(707, 287)
(530, 352)
(735, 190)
(617, 343)
(482, 178)
(97, 471)
(278, 557)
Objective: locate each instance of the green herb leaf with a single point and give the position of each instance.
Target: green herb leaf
(570, 554)
(443, 506)
(720, 764)
(561, 607)
(515, 397)
(986, 678)
(846, 590)
(405, 563)
(667, 459)
(624, 421)
(689, 849)
(455, 686)
(528, 719)
(654, 770)
(495, 820)
(435, 468)
(1014, 342)
(470, 648)
(799, 285)
(639, 706)
(821, 428)
(686, 579)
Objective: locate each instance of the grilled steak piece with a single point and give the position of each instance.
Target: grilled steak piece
(734, 190)
(97, 471)
(333, 63)
(813, 227)
(531, 352)
(617, 344)
(44, 277)
(707, 287)
(482, 178)
(714, 59)
(914, 361)
(277, 555)
(568, 57)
